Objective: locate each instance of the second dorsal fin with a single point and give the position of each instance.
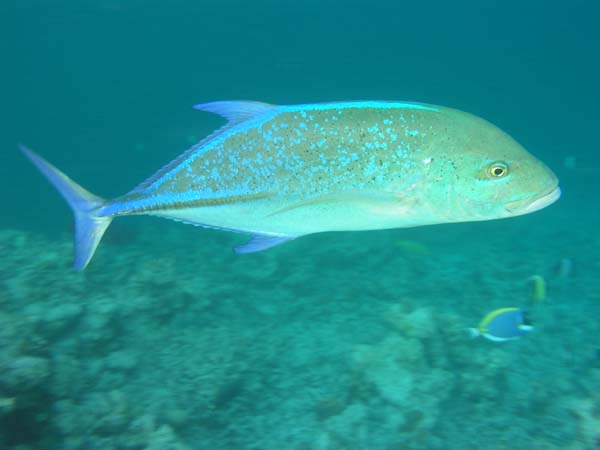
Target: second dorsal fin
(235, 111)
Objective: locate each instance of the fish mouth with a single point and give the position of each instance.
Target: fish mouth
(529, 205)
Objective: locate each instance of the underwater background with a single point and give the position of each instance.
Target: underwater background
(336, 341)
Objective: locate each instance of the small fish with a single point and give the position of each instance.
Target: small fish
(503, 324)
(564, 268)
(281, 172)
(537, 288)
(413, 247)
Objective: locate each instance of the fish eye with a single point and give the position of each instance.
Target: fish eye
(498, 169)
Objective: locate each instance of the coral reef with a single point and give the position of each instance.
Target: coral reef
(154, 349)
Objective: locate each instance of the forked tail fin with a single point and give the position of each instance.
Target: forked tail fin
(89, 226)
(473, 332)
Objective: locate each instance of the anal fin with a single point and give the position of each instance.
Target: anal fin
(260, 242)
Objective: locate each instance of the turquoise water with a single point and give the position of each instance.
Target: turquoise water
(339, 341)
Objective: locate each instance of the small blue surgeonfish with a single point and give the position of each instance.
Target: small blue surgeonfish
(503, 324)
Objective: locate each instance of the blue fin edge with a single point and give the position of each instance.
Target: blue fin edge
(235, 110)
(260, 242)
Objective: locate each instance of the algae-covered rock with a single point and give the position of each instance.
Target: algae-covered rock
(418, 323)
(164, 438)
(121, 360)
(335, 435)
(398, 368)
(100, 324)
(7, 405)
(62, 317)
(24, 373)
(587, 412)
(382, 366)
(409, 372)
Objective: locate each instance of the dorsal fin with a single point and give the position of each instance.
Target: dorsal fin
(235, 111)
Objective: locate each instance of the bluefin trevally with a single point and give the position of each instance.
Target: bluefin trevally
(281, 172)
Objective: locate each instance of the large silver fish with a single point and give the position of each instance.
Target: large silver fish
(280, 172)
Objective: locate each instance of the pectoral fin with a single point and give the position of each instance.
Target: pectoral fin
(260, 242)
